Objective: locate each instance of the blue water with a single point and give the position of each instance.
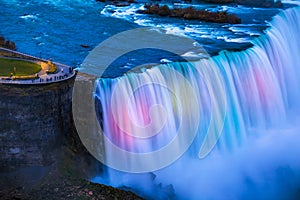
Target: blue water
(258, 156)
(241, 110)
(57, 29)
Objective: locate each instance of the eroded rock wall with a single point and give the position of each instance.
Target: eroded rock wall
(33, 119)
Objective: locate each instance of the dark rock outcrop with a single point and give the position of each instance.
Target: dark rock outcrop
(7, 44)
(190, 13)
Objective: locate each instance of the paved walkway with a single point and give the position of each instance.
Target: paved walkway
(63, 72)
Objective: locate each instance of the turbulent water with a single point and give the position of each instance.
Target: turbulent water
(57, 29)
(213, 36)
(243, 107)
(240, 110)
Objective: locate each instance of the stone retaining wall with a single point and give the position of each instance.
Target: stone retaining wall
(32, 119)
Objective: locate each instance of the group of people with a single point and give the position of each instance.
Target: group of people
(57, 77)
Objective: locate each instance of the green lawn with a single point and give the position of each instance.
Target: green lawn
(22, 68)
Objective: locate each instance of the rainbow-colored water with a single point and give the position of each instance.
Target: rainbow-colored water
(230, 122)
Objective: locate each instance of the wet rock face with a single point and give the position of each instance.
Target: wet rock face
(33, 119)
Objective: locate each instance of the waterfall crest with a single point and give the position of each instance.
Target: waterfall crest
(215, 105)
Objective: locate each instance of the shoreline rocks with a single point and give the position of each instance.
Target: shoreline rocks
(7, 44)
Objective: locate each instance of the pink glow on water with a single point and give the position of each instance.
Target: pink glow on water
(257, 154)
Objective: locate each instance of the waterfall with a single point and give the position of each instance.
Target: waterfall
(225, 127)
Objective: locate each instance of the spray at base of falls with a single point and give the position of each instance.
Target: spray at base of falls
(252, 95)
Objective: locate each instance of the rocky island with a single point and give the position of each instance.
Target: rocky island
(190, 13)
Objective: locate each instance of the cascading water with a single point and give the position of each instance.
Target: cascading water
(239, 112)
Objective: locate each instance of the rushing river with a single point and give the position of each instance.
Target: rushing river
(58, 29)
(231, 120)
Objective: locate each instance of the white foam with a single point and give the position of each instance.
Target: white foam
(143, 22)
(245, 30)
(173, 30)
(126, 67)
(28, 17)
(198, 30)
(190, 54)
(126, 12)
(292, 2)
(164, 60)
(207, 36)
(37, 38)
(235, 40)
(261, 169)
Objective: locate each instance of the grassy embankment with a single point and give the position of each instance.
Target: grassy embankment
(18, 69)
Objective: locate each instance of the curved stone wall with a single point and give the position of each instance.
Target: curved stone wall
(32, 119)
